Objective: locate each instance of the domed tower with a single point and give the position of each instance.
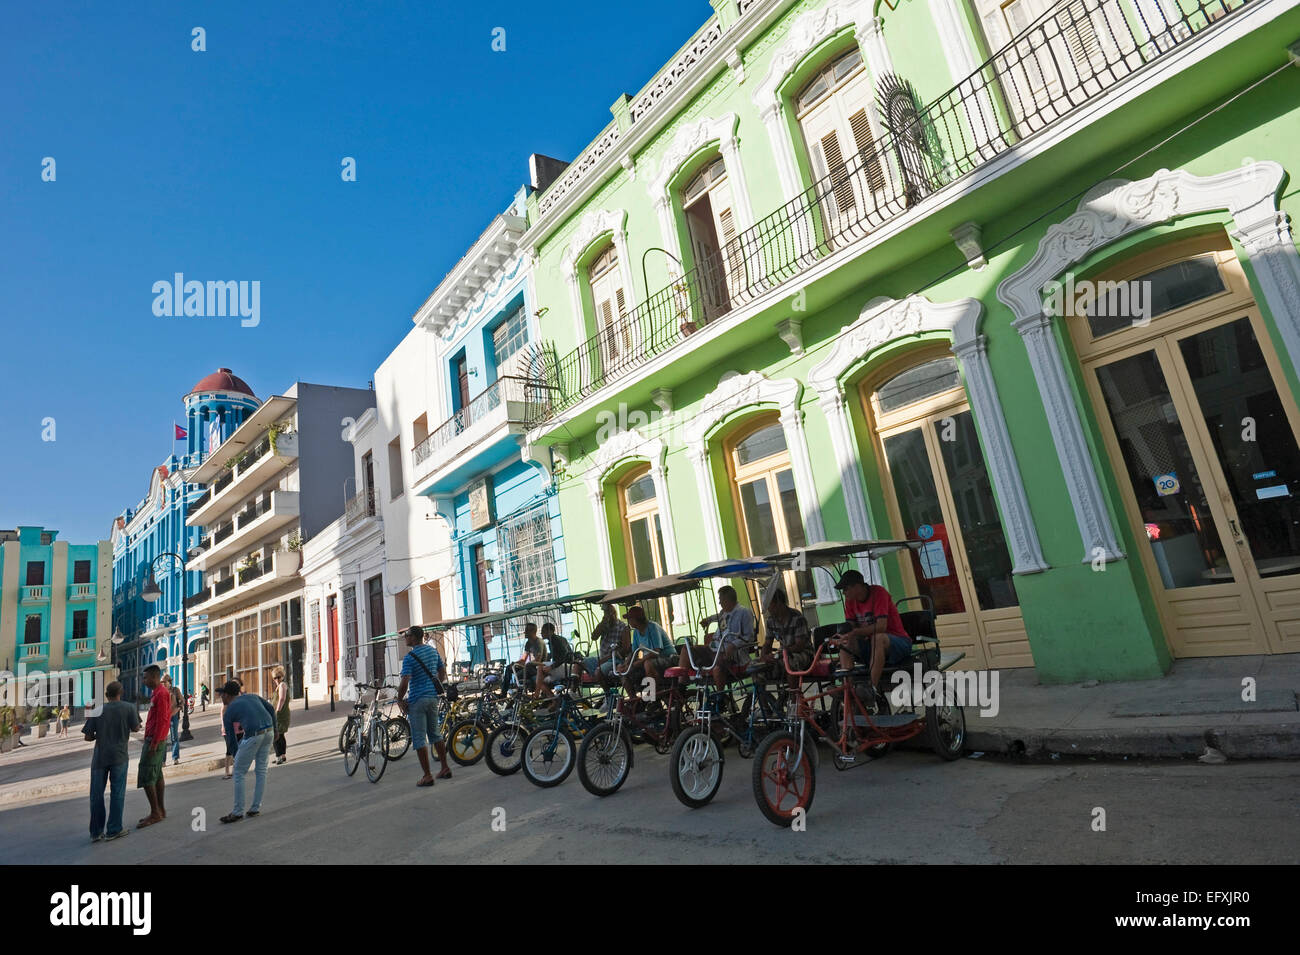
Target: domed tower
(217, 405)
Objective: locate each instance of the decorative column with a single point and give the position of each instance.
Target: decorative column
(1004, 469)
(1067, 434)
(835, 408)
(672, 559)
(596, 494)
(699, 456)
(1267, 241)
(806, 488)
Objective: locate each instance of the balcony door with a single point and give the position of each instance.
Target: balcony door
(1203, 443)
(375, 610)
(643, 537)
(1057, 60)
(609, 298)
(711, 222)
(837, 117)
(940, 493)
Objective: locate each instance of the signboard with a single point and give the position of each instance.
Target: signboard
(480, 504)
(1167, 484)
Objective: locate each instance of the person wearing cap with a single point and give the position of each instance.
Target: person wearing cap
(609, 634)
(422, 672)
(558, 661)
(874, 630)
(648, 640)
(257, 719)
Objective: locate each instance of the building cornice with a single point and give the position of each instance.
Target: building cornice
(491, 254)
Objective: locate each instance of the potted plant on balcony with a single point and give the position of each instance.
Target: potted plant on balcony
(682, 293)
(249, 564)
(274, 432)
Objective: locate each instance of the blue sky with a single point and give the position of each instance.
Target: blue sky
(225, 165)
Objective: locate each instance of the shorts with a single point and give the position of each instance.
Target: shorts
(899, 652)
(152, 758)
(422, 714)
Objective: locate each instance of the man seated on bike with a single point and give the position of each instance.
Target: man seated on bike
(790, 627)
(651, 647)
(609, 635)
(559, 661)
(729, 646)
(533, 656)
(874, 631)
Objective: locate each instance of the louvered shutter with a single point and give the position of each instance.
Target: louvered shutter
(624, 330)
(869, 158)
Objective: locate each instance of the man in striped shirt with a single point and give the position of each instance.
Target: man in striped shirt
(419, 668)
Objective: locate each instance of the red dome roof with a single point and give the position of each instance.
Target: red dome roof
(223, 379)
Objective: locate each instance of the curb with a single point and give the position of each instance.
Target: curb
(194, 767)
(1279, 741)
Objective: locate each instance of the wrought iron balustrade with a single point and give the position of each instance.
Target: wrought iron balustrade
(1068, 57)
(528, 392)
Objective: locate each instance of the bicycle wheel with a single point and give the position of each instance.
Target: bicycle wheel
(604, 760)
(696, 767)
(946, 727)
(781, 786)
(548, 756)
(399, 736)
(376, 750)
(466, 742)
(350, 741)
(505, 748)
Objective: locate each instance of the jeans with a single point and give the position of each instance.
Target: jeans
(422, 714)
(115, 778)
(251, 749)
(176, 737)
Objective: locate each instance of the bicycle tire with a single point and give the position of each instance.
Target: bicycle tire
(772, 777)
(947, 736)
(466, 742)
(505, 747)
(352, 747)
(343, 733)
(609, 748)
(539, 766)
(399, 736)
(376, 751)
(696, 755)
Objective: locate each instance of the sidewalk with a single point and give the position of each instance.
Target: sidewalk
(56, 768)
(1198, 703)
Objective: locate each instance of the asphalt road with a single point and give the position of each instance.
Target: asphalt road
(908, 807)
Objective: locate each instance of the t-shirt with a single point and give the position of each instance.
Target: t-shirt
(610, 635)
(652, 637)
(561, 652)
(737, 627)
(877, 604)
(420, 685)
(791, 633)
(112, 730)
(157, 726)
(253, 714)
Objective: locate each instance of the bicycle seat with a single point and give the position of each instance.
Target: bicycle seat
(755, 668)
(821, 671)
(491, 678)
(673, 673)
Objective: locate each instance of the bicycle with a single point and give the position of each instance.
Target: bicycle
(365, 734)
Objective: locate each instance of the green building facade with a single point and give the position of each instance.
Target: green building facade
(1016, 280)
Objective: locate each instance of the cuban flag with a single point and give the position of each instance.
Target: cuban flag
(181, 433)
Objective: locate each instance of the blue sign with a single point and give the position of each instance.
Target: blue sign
(1261, 475)
(925, 532)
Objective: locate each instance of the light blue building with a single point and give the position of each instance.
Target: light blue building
(144, 632)
(506, 539)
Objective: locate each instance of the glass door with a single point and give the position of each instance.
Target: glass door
(645, 540)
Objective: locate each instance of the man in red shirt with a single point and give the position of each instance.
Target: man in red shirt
(153, 755)
(874, 628)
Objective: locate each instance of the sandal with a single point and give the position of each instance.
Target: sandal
(422, 783)
(231, 817)
(445, 774)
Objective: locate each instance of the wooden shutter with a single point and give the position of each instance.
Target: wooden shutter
(869, 158)
(625, 333)
(839, 174)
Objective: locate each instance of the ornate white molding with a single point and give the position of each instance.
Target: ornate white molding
(1109, 212)
(807, 32)
(595, 224)
(596, 495)
(623, 446)
(884, 320)
(734, 393)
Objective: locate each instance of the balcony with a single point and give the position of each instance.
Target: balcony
(34, 595)
(358, 507)
(194, 599)
(505, 407)
(247, 471)
(81, 591)
(1042, 76)
(77, 646)
(260, 517)
(244, 580)
(33, 651)
(198, 502)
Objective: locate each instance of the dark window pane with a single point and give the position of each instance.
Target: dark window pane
(1118, 304)
(922, 381)
(763, 443)
(918, 505)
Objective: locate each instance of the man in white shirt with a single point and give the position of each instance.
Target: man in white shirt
(729, 647)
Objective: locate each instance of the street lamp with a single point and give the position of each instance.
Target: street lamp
(151, 593)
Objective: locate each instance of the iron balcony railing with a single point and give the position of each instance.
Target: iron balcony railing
(253, 455)
(222, 482)
(223, 586)
(193, 600)
(528, 392)
(254, 510)
(198, 502)
(223, 532)
(1065, 59)
(359, 507)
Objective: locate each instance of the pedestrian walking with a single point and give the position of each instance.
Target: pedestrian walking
(110, 731)
(65, 717)
(203, 696)
(153, 755)
(281, 706)
(178, 705)
(257, 719)
(419, 667)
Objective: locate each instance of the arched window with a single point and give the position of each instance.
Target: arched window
(609, 299)
(766, 501)
(643, 536)
(711, 224)
(836, 115)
